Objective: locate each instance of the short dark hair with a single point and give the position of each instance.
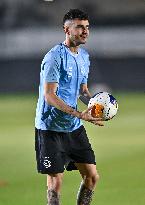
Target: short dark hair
(75, 14)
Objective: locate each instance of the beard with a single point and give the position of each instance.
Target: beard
(80, 40)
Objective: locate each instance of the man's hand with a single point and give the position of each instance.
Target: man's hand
(86, 115)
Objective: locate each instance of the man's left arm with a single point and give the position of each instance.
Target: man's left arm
(85, 94)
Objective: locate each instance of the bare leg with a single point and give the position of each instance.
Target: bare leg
(84, 196)
(90, 178)
(54, 183)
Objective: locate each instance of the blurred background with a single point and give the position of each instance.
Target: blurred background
(28, 29)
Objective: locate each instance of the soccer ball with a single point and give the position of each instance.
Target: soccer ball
(104, 105)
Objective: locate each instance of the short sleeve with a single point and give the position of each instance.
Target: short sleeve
(85, 79)
(51, 67)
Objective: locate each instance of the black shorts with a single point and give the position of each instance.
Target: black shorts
(56, 151)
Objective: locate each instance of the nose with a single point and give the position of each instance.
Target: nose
(85, 30)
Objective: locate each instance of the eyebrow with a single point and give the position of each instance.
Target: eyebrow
(80, 25)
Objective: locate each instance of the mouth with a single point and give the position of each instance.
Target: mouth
(84, 36)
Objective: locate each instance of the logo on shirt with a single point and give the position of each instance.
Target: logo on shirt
(69, 72)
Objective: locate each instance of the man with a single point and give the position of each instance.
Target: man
(61, 139)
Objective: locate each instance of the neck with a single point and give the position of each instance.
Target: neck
(73, 48)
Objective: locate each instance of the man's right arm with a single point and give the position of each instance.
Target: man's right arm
(52, 99)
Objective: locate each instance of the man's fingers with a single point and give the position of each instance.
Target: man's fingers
(87, 110)
(96, 119)
(99, 123)
(90, 108)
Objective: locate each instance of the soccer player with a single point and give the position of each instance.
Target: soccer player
(61, 140)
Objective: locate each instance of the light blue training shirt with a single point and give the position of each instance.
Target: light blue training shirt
(69, 70)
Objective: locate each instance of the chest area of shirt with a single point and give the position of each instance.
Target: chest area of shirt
(74, 66)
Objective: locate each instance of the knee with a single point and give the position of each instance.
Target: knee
(95, 178)
(91, 180)
(54, 182)
(58, 181)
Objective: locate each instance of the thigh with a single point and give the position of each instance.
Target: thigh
(79, 140)
(54, 180)
(81, 150)
(86, 169)
(50, 159)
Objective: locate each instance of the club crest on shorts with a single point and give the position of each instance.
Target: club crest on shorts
(47, 162)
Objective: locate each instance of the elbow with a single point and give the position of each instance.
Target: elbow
(49, 98)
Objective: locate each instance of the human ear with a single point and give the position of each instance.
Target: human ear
(66, 29)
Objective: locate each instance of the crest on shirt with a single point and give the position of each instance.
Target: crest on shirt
(69, 72)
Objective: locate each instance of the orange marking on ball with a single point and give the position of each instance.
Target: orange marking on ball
(97, 111)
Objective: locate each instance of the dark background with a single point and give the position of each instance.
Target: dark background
(28, 29)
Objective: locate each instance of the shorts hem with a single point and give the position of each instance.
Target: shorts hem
(45, 172)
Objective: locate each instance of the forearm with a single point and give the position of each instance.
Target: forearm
(55, 101)
(85, 96)
(84, 99)
(52, 99)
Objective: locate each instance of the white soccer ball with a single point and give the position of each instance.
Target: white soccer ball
(104, 106)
